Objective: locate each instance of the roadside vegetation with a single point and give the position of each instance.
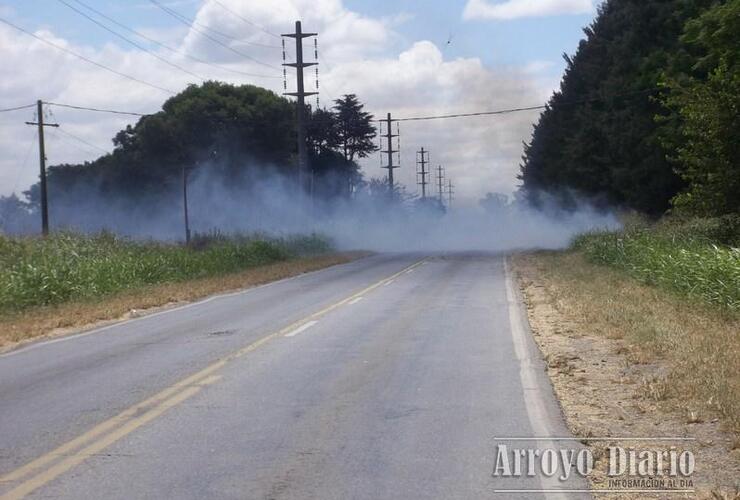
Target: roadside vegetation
(656, 307)
(631, 358)
(688, 311)
(697, 344)
(65, 267)
(698, 258)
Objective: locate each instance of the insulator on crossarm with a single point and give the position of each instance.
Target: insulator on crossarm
(316, 49)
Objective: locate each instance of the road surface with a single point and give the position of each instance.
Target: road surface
(391, 377)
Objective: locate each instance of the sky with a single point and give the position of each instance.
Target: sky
(406, 57)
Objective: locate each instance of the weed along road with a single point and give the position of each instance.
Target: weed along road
(393, 376)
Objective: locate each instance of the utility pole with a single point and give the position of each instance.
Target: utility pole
(42, 165)
(300, 95)
(422, 160)
(440, 183)
(389, 137)
(450, 193)
(185, 203)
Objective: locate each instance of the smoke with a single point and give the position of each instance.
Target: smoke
(266, 202)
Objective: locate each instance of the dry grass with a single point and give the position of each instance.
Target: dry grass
(699, 345)
(628, 359)
(71, 316)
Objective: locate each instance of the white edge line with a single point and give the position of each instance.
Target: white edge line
(388, 282)
(539, 417)
(116, 323)
(354, 301)
(301, 328)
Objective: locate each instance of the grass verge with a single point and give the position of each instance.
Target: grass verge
(63, 267)
(627, 358)
(59, 319)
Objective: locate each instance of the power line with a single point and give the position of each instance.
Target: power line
(251, 23)
(464, 115)
(31, 144)
(167, 47)
(529, 108)
(138, 46)
(75, 54)
(84, 108)
(83, 141)
(17, 108)
(221, 33)
(191, 23)
(71, 135)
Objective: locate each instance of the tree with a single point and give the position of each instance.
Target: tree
(355, 129)
(495, 203)
(322, 132)
(706, 99)
(250, 128)
(379, 190)
(598, 137)
(15, 216)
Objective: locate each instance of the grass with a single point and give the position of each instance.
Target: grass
(72, 315)
(686, 258)
(695, 341)
(67, 267)
(694, 328)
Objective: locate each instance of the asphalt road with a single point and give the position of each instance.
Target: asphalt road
(391, 377)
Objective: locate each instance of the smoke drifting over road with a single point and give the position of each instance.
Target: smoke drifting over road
(269, 204)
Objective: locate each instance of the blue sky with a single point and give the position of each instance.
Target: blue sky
(393, 54)
(496, 42)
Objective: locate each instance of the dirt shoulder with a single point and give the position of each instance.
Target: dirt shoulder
(631, 360)
(53, 321)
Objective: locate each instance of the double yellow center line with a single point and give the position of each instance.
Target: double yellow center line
(60, 460)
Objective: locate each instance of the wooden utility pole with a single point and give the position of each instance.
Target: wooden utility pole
(389, 137)
(42, 165)
(300, 95)
(422, 173)
(185, 204)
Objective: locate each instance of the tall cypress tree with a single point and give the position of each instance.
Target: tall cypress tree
(598, 137)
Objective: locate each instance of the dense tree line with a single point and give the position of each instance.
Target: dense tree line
(647, 110)
(240, 132)
(705, 99)
(239, 138)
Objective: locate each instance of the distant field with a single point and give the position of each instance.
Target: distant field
(64, 267)
(698, 259)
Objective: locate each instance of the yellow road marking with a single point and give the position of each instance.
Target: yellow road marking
(141, 413)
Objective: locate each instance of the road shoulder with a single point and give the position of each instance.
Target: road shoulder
(607, 386)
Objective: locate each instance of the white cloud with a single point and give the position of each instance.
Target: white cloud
(480, 154)
(512, 9)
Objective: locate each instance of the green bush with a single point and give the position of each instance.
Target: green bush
(684, 262)
(38, 271)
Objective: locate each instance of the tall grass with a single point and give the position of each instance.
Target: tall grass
(679, 260)
(63, 267)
